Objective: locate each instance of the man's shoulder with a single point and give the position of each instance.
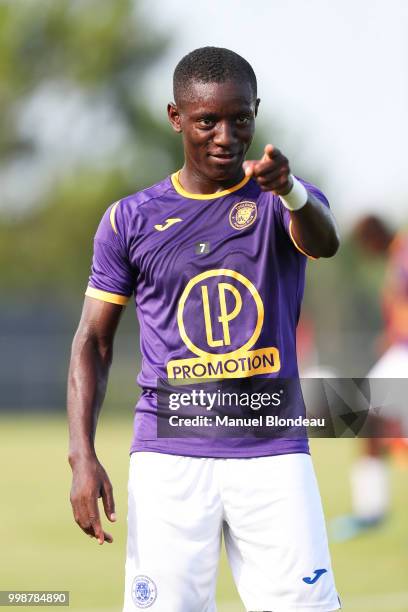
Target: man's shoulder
(142, 197)
(130, 212)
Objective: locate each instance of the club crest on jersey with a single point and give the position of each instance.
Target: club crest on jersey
(144, 592)
(243, 214)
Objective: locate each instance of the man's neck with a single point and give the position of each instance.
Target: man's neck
(194, 182)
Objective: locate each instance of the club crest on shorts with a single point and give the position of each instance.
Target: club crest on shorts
(144, 592)
(243, 214)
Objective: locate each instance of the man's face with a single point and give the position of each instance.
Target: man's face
(217, 121)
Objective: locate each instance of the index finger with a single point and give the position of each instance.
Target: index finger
(269, 152)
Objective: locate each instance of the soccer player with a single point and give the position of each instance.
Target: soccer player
(370, 487)
(215, 258)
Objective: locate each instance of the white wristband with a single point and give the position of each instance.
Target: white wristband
(297, 196)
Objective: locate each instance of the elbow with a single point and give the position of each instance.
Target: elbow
(332, 246)
(88, 343)
(331, 243)
(325, 248)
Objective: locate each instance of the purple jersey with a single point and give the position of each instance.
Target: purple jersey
(218, 283)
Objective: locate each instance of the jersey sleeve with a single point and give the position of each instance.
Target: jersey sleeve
(112, 277)
(285, 214)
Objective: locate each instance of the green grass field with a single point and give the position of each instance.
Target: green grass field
(42, 548)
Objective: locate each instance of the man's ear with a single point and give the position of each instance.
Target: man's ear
(174, 117)
(258, 101)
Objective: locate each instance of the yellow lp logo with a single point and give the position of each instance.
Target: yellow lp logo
(225, 317)
(232, 314)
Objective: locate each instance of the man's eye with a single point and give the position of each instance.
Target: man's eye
(243, 120)
(206, 123)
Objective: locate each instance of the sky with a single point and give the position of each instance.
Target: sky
(332, 78)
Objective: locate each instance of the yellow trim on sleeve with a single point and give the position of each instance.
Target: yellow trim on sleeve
(105, 296)
(205, 196)
(296, 244)
(112, 216)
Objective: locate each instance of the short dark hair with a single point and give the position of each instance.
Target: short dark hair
(211, 65)
(372, 233)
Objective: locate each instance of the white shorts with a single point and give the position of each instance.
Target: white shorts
(393, 364)
(388, 385)
(270, 511)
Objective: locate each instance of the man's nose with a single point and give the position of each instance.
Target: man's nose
(224, 134)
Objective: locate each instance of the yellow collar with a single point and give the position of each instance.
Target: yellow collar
(205, 196)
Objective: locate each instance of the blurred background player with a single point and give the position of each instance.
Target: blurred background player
(370, 488)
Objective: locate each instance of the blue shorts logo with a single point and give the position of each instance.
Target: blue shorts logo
(315, 578)
(144, 592)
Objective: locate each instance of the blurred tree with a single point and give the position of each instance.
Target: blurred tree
(91, 57)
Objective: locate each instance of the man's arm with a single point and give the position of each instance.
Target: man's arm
(313, 226)
(91, 358)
